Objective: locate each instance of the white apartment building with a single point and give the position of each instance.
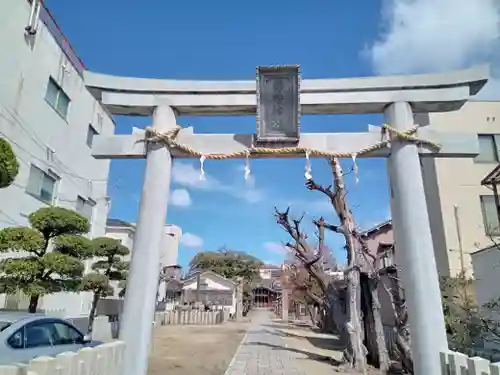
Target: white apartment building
(270, 271)
(50, 119)
(124, 231)
(462, 212)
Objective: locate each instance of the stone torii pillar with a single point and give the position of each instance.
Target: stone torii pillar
(413, 240)
(142, 281)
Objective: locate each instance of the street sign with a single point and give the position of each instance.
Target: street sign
(278, 107)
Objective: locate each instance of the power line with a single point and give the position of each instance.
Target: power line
(16, 119)
(10, 221)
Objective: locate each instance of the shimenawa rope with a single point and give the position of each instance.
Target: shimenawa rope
(169, 138)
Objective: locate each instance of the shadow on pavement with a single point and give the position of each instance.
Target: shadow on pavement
(308, 355)
(328, 342)
(292, 326)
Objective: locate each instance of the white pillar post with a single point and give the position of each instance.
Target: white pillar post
(142, 282)
(414, 243)
(284, 305)
(239, 303)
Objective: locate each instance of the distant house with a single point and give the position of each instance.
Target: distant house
(380, 242)
(209, 288)
(270, 271)
(267, 290)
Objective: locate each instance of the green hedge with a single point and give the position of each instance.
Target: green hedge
(9, 166)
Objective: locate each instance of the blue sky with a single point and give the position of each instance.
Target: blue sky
(219, 40)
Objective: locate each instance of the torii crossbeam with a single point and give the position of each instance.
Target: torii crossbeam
(398, 97)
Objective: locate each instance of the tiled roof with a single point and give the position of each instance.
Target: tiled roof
(377, 227)
(271, 284)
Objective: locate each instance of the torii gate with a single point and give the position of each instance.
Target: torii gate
(398, 97)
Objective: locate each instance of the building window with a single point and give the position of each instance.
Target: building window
(41, 185)
(85, 207)
(386, 254)
(275, 273)
(490, 215)
(91, 133)
(387, 261)
(57, 98)
(488, 151)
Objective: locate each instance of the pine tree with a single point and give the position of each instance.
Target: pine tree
(110, 267)
(51, 253)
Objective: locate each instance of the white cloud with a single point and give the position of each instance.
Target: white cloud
(191, 240)
(180, 198)
(275, 247)
(188, 176)
(250, 195)
(437, 35)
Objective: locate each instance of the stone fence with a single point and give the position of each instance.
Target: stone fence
(190, 317)
(453, 363)
(105, 359)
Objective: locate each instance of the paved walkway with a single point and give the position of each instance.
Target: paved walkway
(262, 351)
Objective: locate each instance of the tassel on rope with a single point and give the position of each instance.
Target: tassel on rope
(355, 168)
(308, 173)
(386, 137)
(247, 165)
(202, 170)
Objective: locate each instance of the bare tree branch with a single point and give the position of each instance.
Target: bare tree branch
(303, 251)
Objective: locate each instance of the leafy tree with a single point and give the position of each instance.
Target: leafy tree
(110, 267)
(38, 270)
(232, 265)
(468, 326)
(228, 263)
(9, 166)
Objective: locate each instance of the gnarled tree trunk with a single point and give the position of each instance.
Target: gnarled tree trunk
(383, 354)
(33, 303)
(354, 327)
(93, 309)
(357, 264)
(357, 350)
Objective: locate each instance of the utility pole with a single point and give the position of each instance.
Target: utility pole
(460, 248)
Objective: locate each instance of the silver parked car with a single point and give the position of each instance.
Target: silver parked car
(26, 336)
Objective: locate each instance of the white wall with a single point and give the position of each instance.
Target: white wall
(125, 235)
(265, 274)
(168, 251)
(34, 127)
(212, 284)
(169, 246)
(170, 255)
(486, 264)
(457, 181)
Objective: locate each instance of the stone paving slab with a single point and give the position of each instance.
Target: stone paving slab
(262, 351)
